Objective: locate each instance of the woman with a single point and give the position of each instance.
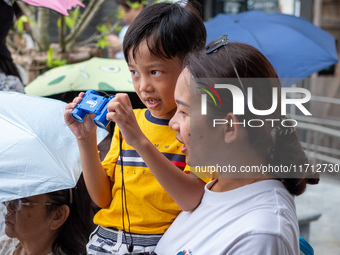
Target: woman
(59, 223)
(9, 76)
(240, 212)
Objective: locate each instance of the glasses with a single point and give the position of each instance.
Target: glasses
(17, 204)
(222, 42)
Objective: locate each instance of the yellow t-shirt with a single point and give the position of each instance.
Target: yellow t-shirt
(151, 210)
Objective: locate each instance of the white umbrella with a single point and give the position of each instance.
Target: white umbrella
(38, 152)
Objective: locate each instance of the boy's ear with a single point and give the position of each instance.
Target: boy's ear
(231, 130)
(59, 216)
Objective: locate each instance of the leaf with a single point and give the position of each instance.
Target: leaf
(120, 14)
(70, 22)
(118, 28)
(50, 56)
(51, 62)
(103, 29)
(102, 43)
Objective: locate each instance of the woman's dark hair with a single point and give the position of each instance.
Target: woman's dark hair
(279, 145)
(6, 20)
(75, 232)
(8, 67)
(169, 29)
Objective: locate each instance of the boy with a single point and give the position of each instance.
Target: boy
(127, 185)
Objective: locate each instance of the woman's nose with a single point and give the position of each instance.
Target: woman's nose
(173, 124)
(10, 208)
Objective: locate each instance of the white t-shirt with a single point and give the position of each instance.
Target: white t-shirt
(3, 212)
(121, 35)
(256, 219)
(8, 245)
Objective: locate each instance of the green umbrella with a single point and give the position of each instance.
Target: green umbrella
(97, 73)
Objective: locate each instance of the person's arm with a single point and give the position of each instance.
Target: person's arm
(187, 192)
(115, 45)
(97, 182)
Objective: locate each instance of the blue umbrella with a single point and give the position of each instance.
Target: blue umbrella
(295, 47)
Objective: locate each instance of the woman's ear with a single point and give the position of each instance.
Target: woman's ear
(59, 216)
(231, 130)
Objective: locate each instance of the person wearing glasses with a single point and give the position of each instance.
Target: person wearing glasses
(240, 212)
(56, 223)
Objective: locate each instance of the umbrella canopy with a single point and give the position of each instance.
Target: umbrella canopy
(97, 73)
(60, 6)
(295, 47)
(38, 152)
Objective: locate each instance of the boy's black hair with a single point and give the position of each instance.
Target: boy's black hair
(170, 30)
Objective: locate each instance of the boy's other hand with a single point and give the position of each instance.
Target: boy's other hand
(80, 129)
(121, 112)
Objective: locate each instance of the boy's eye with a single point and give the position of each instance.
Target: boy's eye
(133, 73)
(155, 72)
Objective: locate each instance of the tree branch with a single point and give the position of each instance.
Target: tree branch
(83, 22)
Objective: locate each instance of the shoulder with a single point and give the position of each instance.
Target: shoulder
(265, 244)
(271, 203)
(10, 83)
(265, 207)
(273, 207)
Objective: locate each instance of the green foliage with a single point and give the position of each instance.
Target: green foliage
(19, 24)
(53, 62)
(120, 14)
(70, 20)
(103, 43)
(104, 30)
(136, 5)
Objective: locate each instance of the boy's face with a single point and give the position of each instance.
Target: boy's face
(154, 80)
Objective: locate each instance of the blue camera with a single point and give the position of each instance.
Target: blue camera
(92, 103)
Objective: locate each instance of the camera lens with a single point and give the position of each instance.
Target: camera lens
(99, 124)
(77, 117)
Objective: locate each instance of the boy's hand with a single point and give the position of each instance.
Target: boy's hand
(80, 129)
(121, 112)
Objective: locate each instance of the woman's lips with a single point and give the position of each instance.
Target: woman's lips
(183, 148)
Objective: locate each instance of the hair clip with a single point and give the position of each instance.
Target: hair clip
(215, 45)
